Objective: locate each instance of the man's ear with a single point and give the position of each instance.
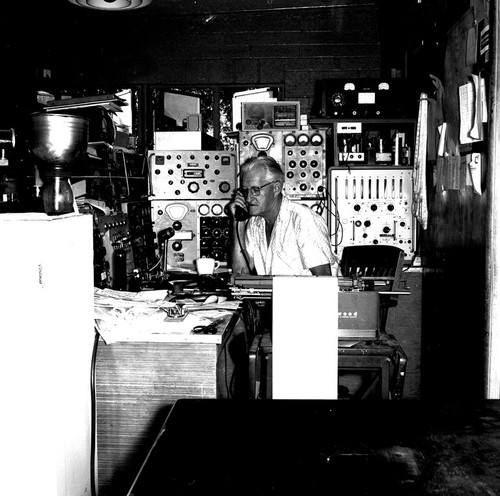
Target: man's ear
(277, 186)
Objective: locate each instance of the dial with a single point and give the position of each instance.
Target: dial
(193, 187)
(316, 139)
(337, 99)
(303, 139)
(290, 140)
(224, 187)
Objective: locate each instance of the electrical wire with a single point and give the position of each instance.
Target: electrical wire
(242, 250)
(339, 229)
(93, 429)
(155, 265)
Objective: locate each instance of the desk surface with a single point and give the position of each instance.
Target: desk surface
(325, 447)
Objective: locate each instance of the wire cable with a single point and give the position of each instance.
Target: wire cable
(339, 229)
(242, 250)
(93, 429)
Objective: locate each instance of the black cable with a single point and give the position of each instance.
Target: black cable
(228, 391)
(243, 252)
(339, 228)
(93, 430)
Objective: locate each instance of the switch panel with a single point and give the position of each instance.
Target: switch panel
(371, 206)
(301, 155)
(202, 229)
(186, 175)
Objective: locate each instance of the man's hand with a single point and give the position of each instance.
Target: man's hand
(237, 209)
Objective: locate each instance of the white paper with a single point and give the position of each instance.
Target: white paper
(442, 139)
(130, 316)
(468, 125)
(477, 121)
(475, 172)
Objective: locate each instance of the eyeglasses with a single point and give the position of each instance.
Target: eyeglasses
(254, 189)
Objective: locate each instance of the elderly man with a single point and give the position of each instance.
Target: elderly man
(280, 237)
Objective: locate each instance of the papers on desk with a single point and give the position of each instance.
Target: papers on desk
(127, 316)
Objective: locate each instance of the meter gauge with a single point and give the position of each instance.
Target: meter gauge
(303, 139)
(290, 140)
(316, 139)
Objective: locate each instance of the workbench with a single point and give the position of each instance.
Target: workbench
(138, 381)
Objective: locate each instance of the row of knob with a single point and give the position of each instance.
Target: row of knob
(374, 207)
(194, 187)
(204, 209)
(385, 230)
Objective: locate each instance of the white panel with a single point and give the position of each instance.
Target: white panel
(371, 206)
(204, 230)
(305, 337)
(192, 175)
(301, 155)
(47, 305)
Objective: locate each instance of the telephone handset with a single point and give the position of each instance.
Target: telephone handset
(241, 214)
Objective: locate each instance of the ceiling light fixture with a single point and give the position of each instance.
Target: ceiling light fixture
(116, 5)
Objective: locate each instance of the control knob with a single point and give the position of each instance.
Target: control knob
(224, 187)
(177, 246)
(193, 187)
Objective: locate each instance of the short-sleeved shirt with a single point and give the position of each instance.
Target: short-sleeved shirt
(299, 241)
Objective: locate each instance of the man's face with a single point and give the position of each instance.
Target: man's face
(260, 204)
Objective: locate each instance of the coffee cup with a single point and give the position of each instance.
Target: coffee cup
(206, 266)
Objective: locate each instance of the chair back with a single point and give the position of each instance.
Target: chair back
(373, 263)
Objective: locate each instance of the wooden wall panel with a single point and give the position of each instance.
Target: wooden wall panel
(404, 321)
(454, 247)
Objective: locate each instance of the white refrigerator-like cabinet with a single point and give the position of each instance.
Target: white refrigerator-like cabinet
(47, 332)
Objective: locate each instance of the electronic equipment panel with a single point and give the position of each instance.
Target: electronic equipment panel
(141, 233)
(270, 115)
(373, 142)
(192, 174)
(253, 143)
(113, 255)
(370, 98)
(371, 206)
(301, 154)
(200, 229)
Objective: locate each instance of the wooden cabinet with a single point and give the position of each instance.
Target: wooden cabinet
(137, 382)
